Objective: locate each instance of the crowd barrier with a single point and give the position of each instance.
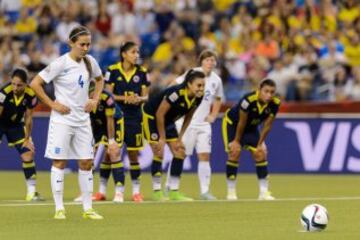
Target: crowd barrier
(321, 142)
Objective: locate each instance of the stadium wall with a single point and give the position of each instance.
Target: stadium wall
(298, 143)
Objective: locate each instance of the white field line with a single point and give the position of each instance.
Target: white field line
(23, 203)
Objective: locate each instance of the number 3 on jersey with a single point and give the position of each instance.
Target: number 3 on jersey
(81, 82)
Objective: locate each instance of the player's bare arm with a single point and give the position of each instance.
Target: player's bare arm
(234, 146)
(92, 103)
(113, 148)
(265, 130)
(214, 111)
(28, 129)
(128, 99)
(160, 124)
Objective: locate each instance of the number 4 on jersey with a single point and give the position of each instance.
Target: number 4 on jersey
(81, 82)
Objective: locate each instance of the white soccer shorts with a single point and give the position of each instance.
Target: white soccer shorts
(66, 142)
(198, 137)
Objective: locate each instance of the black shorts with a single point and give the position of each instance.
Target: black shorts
(249, 139)
(152, 134)
(15, 136)
(100, 133)
(133, 134)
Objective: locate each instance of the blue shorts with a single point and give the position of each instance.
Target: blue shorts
(133, 134)
(15, 136)
(249, 139)
(152, 134)
(101, 136)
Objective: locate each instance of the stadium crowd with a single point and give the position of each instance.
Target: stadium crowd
(311, 48)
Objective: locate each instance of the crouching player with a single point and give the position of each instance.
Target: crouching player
(107, 124)
(240, 130)
(17, 101)
(160, 114)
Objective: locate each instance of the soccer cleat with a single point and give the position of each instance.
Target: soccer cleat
(119, 197)
(91, 214)
(266, 196)
(60, 214)
(78, 198)
(231, 196)
(158, 196)
(99, 197)
(137, 197)
(34, 197)
(207, 196)
(175, 195)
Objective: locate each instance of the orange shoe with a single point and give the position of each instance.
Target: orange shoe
(137, 197)
(99, 197)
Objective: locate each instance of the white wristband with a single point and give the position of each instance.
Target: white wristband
(111, 141)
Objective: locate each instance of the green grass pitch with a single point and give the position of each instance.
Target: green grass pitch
(243, 219)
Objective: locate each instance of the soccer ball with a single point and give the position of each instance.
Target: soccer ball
(314, 218)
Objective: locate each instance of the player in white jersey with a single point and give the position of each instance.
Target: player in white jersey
(198, 134)
(69, 134)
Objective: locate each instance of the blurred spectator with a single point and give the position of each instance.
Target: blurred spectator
(305, 45)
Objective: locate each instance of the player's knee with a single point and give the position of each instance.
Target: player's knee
(233, 157)
(85, 165)
(180, 153)
(27, 156)
(114, 155)
(60, 164)
(260, 156)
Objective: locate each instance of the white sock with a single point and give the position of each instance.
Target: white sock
(231, 184)
(156, 181)
(31, 186)
(263, 185)
(103, 185)
(57, 187)
(86, 186)
(167, 182)
(136, 186)
(204, 174)
(174, 183)
(119, 189)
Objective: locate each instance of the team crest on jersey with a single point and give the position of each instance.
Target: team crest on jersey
(267, 110)
(154, 136)
(136, 78)
(24, 102)
(244, 104)
(119, 78)
(213, 85)
(101, 108)
(173, 97)
(2, 97)
(182, 104)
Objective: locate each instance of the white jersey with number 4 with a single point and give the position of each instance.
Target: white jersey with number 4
(213, 90)
(71, 84)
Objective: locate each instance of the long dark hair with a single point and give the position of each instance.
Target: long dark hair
(74, 36)
(191, 75)
(125, 47)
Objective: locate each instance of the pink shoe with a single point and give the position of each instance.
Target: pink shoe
(99, 197)
(137, 197)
